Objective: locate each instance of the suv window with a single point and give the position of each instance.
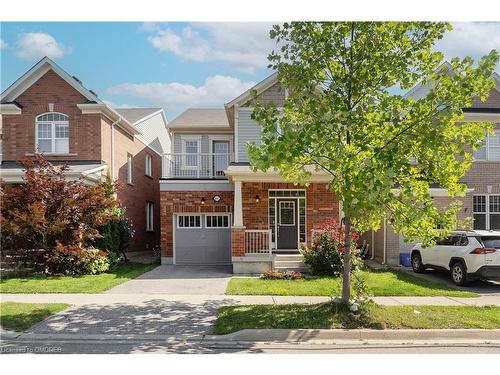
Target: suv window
(454, 240)
(491, 241)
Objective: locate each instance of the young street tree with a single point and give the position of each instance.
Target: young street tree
(382, 150)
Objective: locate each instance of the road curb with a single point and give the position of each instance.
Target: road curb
(338, 335)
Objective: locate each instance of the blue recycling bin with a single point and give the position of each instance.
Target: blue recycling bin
(405, 259)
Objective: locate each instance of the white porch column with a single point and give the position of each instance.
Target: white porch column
(238, 207)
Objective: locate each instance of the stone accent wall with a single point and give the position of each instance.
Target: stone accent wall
(187, 201)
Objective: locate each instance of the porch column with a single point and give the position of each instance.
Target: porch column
(238, 208)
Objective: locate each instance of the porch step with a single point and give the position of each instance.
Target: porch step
(289, 263)
(288, 257)
(296, 269)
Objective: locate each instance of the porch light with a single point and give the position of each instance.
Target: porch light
(203, 200)
(257, 199)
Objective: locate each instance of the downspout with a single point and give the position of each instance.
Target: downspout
(113, 147)
(385, 241)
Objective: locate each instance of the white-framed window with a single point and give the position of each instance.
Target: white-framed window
(148, 168)
(490, 149)
(149, 216)
(486, 212)
(52, 133)
(217, 221)
(190, 151)
(188, 221)
(129, 168)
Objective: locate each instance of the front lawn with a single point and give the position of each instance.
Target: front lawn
(381, 283)
(17, 316)
(75, 284)
(322, 316)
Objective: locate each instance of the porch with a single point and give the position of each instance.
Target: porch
(272, 221)
(196, 165)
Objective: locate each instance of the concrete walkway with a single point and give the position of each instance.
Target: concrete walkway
(200, 299)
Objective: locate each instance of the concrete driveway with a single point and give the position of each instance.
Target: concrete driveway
(171, 279)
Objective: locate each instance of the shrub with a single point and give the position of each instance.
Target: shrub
(74, 260)
(115, 236)
(325, 256)
(277, 275)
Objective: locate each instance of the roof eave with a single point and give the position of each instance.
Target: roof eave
(101, 108)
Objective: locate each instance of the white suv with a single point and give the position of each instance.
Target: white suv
(466, 255)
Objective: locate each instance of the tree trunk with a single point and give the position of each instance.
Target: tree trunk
(346, 276)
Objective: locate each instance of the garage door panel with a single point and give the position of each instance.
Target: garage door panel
(202, 245)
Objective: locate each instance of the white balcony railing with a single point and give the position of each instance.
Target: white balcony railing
(258, 242)
(195, 165)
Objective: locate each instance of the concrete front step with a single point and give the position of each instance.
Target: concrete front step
(288, 257)
(289, 263)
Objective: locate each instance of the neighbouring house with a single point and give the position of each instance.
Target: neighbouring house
(49, 111)
(215, 210)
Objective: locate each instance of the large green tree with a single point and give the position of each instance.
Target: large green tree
(343, 115)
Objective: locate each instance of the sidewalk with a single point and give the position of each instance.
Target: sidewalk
(134, 299)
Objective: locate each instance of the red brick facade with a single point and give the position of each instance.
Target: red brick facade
(321, 204)
(188, 201)
(89, 140)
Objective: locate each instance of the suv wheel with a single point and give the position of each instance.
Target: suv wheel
(416, 263)
(458, 273)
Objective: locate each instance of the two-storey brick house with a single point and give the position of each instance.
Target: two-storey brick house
(48, 111)
(215, 210)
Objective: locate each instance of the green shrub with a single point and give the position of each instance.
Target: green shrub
(74, 260)
(325, 256)
(115, 238)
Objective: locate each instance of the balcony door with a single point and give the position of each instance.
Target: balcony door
(220, 157)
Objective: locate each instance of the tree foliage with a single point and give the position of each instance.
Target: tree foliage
(48, 208)
(343, 115)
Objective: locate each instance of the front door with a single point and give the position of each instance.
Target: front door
(287, 224)
(220, 157)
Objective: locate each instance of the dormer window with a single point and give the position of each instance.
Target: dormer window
(52, 133)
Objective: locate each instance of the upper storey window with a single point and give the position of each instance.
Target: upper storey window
(490, 149)
(52, 133)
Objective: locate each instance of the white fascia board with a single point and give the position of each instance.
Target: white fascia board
(10, 109)
(244, 173)
(259, 87)
(35, 73)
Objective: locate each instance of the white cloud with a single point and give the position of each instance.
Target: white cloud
(474, 39)
(176, 97)
(244, 46)
(32, 46)
(2, 44)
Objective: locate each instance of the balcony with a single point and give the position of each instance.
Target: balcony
(194, 166)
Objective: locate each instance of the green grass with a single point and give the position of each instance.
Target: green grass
(380, 282)
(322, 316)
(17, 316)
(74, 284)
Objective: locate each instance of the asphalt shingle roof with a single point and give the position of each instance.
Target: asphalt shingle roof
(200, 118)
(133, 115)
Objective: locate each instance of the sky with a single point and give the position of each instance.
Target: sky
(173, 65)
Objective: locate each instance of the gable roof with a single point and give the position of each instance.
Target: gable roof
(35, 73)
(195, 118)
(135, 115)
(259, 87)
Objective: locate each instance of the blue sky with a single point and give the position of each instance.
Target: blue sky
(172, 65)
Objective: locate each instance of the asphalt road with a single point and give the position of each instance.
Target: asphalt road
(137, 347)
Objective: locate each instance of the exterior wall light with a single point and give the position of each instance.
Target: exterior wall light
(257, 199)
(203, 200)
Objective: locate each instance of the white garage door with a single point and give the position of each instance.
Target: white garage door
(202, 239)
